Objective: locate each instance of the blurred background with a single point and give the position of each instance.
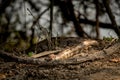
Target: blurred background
(26, 22)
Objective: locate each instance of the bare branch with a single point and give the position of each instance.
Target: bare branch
(112, 17)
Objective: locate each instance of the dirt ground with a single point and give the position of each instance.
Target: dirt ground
(107, 68)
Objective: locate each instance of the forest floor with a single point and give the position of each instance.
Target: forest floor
(105, 68)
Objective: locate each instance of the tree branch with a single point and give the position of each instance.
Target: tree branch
(111, 16)
(78, 28)
(97, 18)
(93, 23)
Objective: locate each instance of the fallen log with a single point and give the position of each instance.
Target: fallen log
(97, 55)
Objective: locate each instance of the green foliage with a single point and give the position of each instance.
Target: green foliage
(30, 54)
(108, 38)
